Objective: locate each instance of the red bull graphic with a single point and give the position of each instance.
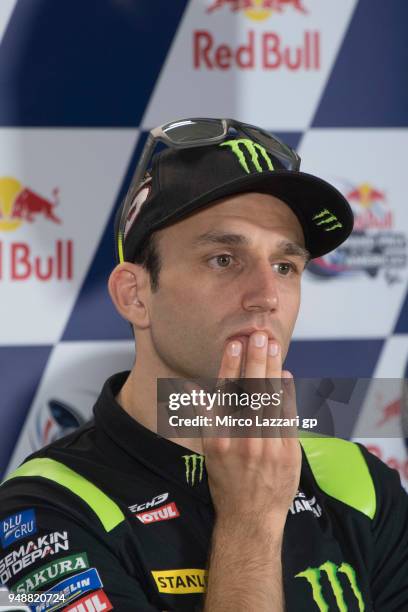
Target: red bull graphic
(22, 206)
(268, 50)
(373, 247)
(389, 412)
(19, 204)
(257, 9)
(370, 208)
(29, 205)
(55, 420)
(396, 463)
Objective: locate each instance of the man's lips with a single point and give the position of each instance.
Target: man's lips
(243, 335)
(242, 338)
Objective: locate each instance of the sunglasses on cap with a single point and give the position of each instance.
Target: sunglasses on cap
(189, 133)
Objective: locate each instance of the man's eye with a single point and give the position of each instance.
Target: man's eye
(284, 268)
(222, 261)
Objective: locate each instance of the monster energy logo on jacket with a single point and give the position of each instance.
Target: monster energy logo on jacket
(247, 151)
(313, 576)
(194, 465)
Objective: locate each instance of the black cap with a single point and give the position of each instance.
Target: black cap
(185, 180)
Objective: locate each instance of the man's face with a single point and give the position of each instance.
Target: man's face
(226, 271)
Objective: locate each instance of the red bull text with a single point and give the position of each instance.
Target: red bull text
(266, 50)
(18, 262)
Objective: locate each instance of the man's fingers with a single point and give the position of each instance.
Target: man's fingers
(274, 370)
(231, 360)
(256, 356)
(289, 409)
(274, 360)
(289, 395)
(230, 368)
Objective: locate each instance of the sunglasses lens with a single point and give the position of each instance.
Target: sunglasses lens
(190, 131)
(285, 155)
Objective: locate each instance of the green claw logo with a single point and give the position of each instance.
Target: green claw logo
(253, 151)
(192, 462)
(326, 216)
(313, 575)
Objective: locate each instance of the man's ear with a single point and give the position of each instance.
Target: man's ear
(129, 288)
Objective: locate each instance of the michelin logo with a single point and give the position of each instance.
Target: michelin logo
(70, 589)
(17, 526)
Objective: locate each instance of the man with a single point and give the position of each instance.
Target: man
(212, 243)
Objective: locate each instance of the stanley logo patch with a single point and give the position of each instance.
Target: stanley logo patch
(180, 581)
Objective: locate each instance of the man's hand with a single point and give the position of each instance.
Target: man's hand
(248, 476)
(253, 482)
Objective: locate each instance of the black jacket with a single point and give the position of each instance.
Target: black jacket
(117, 513)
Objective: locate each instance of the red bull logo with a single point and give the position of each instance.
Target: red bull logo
(370, 208)
(257, 10)
(269, 51)
(56, 418)
(20, 205)
(266, 50)
(390, 412)
(396, 463)
(374, 247)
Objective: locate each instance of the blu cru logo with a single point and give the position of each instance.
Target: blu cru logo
(17, 526)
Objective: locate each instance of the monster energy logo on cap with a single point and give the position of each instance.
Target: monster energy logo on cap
(313, 575)
(326, 216)
(192, 462)
(254, 153)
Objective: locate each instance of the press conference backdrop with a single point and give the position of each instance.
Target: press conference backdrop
(81, 83)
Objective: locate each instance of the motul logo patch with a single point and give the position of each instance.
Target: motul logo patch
(164, 513)
(95, 602)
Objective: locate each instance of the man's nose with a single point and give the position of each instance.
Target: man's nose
(260, 292)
